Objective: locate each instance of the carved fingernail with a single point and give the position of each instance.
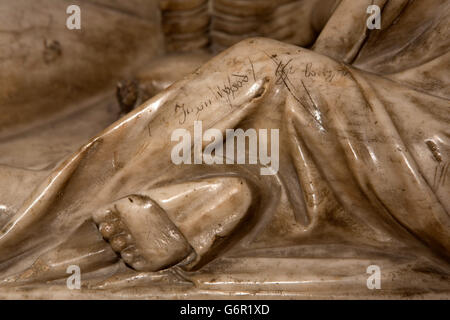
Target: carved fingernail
(128, 254)
(119, 242)
(107, 229)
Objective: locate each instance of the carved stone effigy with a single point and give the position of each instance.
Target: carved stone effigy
(358, 170)
(193, 25)
(192, 29)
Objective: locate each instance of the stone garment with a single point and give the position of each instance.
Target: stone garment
(218, 24)
(362, 179)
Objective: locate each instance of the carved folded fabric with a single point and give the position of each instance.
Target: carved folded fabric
(154, 78)
(361, 141)
(292, 21)
(362, 149)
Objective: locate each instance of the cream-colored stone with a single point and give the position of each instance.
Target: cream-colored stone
(362, 178)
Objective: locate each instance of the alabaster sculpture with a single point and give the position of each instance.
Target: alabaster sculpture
(120, 152)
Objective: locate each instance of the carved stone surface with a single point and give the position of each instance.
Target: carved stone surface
(194, 25)
(361, 178)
